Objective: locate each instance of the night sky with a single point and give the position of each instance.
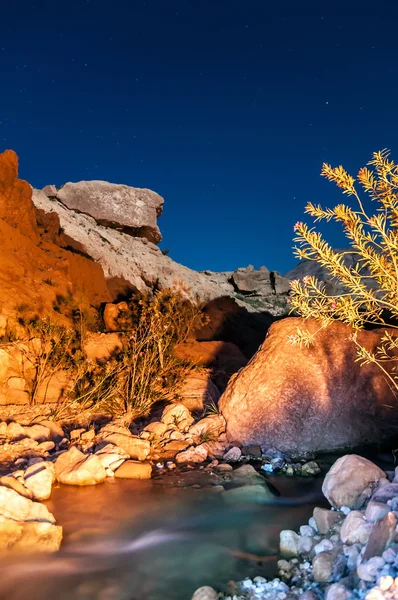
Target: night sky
(225, 108)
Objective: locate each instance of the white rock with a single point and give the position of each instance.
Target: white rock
(26, 525)
(39, 478)
(323, 546)
(75, 468)
(355, 529)
(289, 543)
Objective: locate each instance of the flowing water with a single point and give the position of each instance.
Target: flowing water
(156, 540)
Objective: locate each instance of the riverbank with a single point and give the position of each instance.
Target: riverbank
(350, 551)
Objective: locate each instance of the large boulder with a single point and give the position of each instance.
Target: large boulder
(75, 468)
(26, 525)
(306, 399)
(351, 481)
(134, 210)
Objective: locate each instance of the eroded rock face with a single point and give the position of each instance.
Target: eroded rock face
(303, 400)
(16, 207)
(34, 270)
(134, 210)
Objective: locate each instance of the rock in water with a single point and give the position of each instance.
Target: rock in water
(39, 479)
(110, 204)
(26, 525)
(351, 481)
(305, 400)
(75, 468)
(133, 469)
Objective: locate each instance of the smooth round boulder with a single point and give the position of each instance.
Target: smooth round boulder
(351, 481)
(304, 400)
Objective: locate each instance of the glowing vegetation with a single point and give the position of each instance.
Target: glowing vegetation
(143, 369)
(370, 287)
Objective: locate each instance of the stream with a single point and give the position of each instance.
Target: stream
(159, 539)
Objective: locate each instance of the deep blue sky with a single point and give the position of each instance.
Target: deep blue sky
(226, 108)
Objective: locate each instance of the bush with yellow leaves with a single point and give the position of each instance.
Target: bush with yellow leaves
(370, 286)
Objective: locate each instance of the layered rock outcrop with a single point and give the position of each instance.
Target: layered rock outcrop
(311, 399)
(113, 205)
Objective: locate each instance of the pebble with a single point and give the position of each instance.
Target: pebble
(307, 530)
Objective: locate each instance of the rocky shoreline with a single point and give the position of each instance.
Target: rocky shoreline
(347, 552)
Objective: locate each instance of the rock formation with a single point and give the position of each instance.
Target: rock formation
(310, 399)
(118, 206)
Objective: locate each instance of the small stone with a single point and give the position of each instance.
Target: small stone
(355, 529)
(134, 469)
(323, 546)
(309, 596)
(322, 567)
(192, 455)
(386, 582)
(277, 463)
(35, 460)
(177, 415)
(75, 468)
(312, 523)
(267, 467)
(305, 545)
(337, 591)
(223, 468)
(352, 554)
(310, 469)
(375, 594)
(325, 519)
(15, 431)
(345, 510)
(307, 530)
(56, 432)
(39, 479)
(288, 543)
(16, 484)
(233, 455)
(389, 555)
(205, 593)
(375, 510)
(46, 446)
(37, 432)
(170, 465)
(381, 535)
(76, 434)
(350, 481)
(368, 570)
(88, 435)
